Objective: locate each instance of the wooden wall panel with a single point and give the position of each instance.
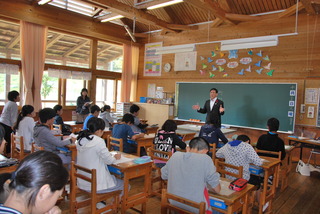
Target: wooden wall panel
(289, 59)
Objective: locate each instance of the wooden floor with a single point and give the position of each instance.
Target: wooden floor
(301, 197)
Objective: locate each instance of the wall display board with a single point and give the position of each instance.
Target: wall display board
(246, 104)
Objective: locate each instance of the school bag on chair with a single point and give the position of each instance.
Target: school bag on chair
(303, 168)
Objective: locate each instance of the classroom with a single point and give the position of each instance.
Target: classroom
(262, 56)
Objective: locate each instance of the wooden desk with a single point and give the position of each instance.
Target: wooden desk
(132, 170)
(189, 128)
(8, 169)
(236, 201)
(146, 141)
(304, 142)
(73, 124)
(152, 129)
(271, 167)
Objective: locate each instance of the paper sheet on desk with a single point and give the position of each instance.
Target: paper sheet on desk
(122, 159)
(71, 136)
(225, 188)
(264, 160)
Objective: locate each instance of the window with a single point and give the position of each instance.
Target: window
(9, 80)
(73, 90)
(105, 92)
(110, 57)
(49, 90)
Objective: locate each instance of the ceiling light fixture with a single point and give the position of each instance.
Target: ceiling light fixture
(112, 18)
(176, 49)
(164, 4)
(252, 42)
(42, 2)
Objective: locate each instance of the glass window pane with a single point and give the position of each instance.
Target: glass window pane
(105, 92)
(118, 91)
(15, 82)
(49, 88)
(73, 90)
(2, 88)
(110, 57)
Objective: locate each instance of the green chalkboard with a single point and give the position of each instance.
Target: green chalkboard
(246, 104)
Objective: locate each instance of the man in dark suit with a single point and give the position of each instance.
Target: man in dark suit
(214, 108)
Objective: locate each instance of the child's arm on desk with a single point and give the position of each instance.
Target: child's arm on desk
(137, 136)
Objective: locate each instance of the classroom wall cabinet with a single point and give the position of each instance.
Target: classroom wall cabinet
(155, 113)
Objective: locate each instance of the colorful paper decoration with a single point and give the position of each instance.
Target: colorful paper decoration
(258, 64)
(249, 68)
(250, 52)
(241, 72)
(201, 72)
(259, 71)
(270, 72)
(222, 54)
(246, 60)
(233, 54)
(211, 75)
(204, 66)
(213, 54)
(225, 75)
(209, 60)
(260, 53)
(214, 68)
(217, 48)
(266, 58)
(202, 58)
(221, 61)
(268, 66)
(221, 69)
(232, 64)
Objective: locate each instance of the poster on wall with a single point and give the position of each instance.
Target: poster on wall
(311, 96)
(185, 61)
(152, 61)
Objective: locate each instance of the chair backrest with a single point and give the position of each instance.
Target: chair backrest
(213, 150)
(269, 153)
(188, 136)
(35, 148)
(111, 144)
(77, 172)
(165, 204)
(17, 152)
(221, 168)
(160, 155)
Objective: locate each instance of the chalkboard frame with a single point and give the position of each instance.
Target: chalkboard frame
(290, 121)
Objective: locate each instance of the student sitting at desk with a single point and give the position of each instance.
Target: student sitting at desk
(25, 125)
(137, 126)
(45, 138)
(212, 133)
(94, 112)
(93, 154)
(166, 140)
(190, 173)
(66, 130)
(106, 116)
(240, 153)
(123, 130)
(271, 140)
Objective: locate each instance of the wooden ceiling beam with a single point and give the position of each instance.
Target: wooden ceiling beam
(243, 18)
(212, 7)
(130, 12)
(170, 12)
(13, 41)
(308, 6)
(74, 49)
(54, 40)
(183, 27)
(62, 19)
(291, 10)
(216, 23)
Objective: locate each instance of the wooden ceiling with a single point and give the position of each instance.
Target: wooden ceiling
(187, 15)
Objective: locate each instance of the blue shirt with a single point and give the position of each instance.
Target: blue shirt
(86, 121)
(8, 210)
(124, 131)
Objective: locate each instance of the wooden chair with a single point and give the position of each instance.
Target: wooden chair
(188, 136)
(221, 168)
(17, 152)
(93, 197)
(156, 177)
(112, 144)
(166, 206)
(35, 148)
(213, 150)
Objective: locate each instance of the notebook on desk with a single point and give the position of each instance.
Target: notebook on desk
(5, 162)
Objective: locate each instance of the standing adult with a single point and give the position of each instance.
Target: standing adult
(83, 104)
(214, 108)
(9, 117)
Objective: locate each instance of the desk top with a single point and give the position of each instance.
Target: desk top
(270, 162)
(9, 169)
(304, 140)
(129, 164)
(196, 128)
(230, 198)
